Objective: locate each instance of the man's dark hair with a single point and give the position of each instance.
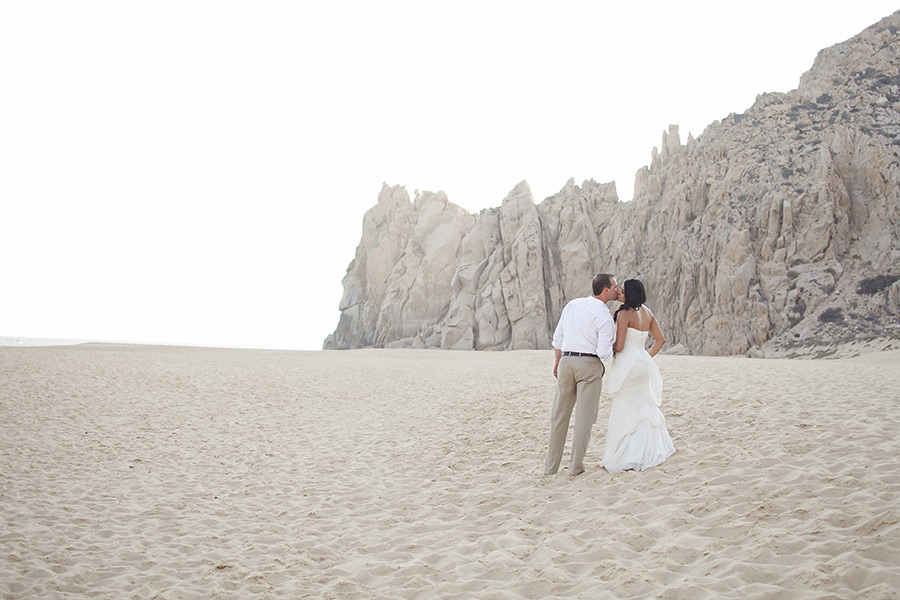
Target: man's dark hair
(601, 282)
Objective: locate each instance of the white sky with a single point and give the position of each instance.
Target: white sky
(196, 171)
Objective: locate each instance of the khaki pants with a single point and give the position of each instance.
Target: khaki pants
(578, 386)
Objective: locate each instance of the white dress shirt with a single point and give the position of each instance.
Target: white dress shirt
(586, 326)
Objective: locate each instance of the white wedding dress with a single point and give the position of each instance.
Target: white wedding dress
(637, 437)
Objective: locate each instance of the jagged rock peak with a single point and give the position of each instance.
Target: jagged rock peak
(836, 69)
(522, 190)
(396, 194)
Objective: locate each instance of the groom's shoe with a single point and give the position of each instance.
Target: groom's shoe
(577, 471)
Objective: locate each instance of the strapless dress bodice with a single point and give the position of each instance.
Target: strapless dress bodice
(634, 337)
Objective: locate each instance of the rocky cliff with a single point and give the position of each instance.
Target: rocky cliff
(774, 231)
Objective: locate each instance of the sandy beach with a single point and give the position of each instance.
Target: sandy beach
(166, 472)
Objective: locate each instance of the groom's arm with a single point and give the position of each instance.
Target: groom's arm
(557, 342)
(558, 354)
(606, 336)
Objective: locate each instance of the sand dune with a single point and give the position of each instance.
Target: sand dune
(159, 472)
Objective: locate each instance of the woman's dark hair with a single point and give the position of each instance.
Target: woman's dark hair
(634, 296)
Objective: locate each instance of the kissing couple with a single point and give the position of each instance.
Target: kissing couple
(588, 342)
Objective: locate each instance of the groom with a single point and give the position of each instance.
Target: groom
(583, 339)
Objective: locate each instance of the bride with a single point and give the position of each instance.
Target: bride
(637, 437)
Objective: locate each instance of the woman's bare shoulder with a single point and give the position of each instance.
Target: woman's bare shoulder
(650, 317)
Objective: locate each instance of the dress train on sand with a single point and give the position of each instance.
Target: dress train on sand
(637, 437)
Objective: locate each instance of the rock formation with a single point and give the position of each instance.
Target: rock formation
(773, 230)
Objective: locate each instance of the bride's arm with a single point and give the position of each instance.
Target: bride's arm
(621, 326)
(658, 339)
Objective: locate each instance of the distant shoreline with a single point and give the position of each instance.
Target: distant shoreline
(32, 341)
(39, 342)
